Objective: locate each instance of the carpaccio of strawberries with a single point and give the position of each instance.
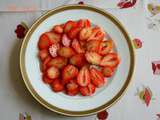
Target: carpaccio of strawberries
(76, 57)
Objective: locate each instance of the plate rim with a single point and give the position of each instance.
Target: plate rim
(52, 107)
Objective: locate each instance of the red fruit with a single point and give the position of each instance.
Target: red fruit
(66, 41)
(69, 72)
(66, 52)
(78, 60)
(58, 29)
(111, 60)
(93, 45)
(57, 86)
(77, 47)
(72, 88)
(44, 63)
(83, 78)
(72, 34)
(88, 90)
(97, 77)
(93, 58)
(52, 72)
(53, 49)
(47, 80)
(53, 37)
(85, 33)
(102, 115)
(106, 47)
(43, 54)
(44, 42)
(58, 62)
(107, 71)
(84, 23)
(69, 25)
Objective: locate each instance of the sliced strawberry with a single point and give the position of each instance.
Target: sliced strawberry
(66, 41)
(84, 23)
(88, 90)
(58, 62)
(77, 47)
(53, 49)
(111, 60)
(83, 78)
(72, 88)
(69, 25)
(44, 42)
(43, 54)
(66, 52)
(69, 72)
(106, 47)
(52, 72)
(93, 45)
(78, 60)
(58, 29)
(53, 37)
(93, 58)
(57, 86)
(73, 33)
(44, 63)
(97, 77)
(85, 33)
(107, 71)
(47, 80)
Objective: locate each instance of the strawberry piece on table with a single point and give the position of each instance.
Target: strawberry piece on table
(77, 47)
(53, 49)
(57, 86)
(106, 47)
(44, 63)
(84, 23)
(43, 54)
(47, 80)
(93, 58)
(97, 77)
(93, 45)
(53, 37)
(85, 33)
(72, 88)
(111, 60)
(66, 41)
(58, 29)
(58, 62)
(73, 33)
(88, 90)
(78, 60)
(83, 78)
(69, 25)
(66, 52)
(52, 72)
(107, 71)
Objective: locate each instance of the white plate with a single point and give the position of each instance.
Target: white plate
(78, 105)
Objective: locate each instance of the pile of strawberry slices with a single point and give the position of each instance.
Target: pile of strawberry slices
(76, 57)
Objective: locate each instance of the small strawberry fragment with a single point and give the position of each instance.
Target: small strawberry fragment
(72, 88)
(93, 45)
(69, 25)
(47, 80)
(53, 49)
(107, 71)
(66, 52)
(58, 29)
(53, 37)
(85, 33)
(84, 23)
(43, 54)
(88, 90)
(77, 47)
(57, 86)
(52, 72)
(93, 58)
(44, 63)
(66, 41)
(73, 33)
(106, 47)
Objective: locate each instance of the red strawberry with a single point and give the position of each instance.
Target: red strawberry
(83, 78)
(58, 62)
(44, 63)
(103, 115)
(111, 60)
(69, 72)
(53, 49)
(43, 54)
(85, 33)
(53, 37)
(66, 52)
(47, 80)
(57, 86)
(93, 58)
(93, 45)
(84, 23)
(58, 29)
(52, 72)
(88, 90)
(66, 41)
(72, 34)
(78, 60)
(77, 47)
(107, 71)
(106, 47)
(69, 25)
(97, 77)
(72, 88)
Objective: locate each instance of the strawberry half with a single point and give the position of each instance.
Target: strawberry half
(44, 63)
(66, 52)
(47, 80)
(85, 33)
(52, 72)
(93, 58)
(57, 86)
(84, 23)
(106, 47)
(88, 90)
(72, 88)
(53, 49)
(77, 47)
(66, 41)
(73, 33)
(83, 78)
(43, 54)
(69, 25)
(107, 71)
(58, 29)
(93, 45)
(97, 77)
(53, 37)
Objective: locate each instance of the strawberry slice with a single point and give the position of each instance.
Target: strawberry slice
(93, 45)
(44, 42)
(52, 72)
(69, 72)
(47, 80)
(78, 60)
(53, 49)
(77, 47)
(66, 52)
(58, 62)
(97, 77)
(53, 37)
(58, 29)
(107, 71)
(83, 78)
(106, 47)
(44, 63)
(66, 41)
(72, 34)
(93, 58)
(69, 25)
(72, 88)
(85, 33)
(88, 90)
(57, 86)
(43, 54)
(84, 23)
(111, 60)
